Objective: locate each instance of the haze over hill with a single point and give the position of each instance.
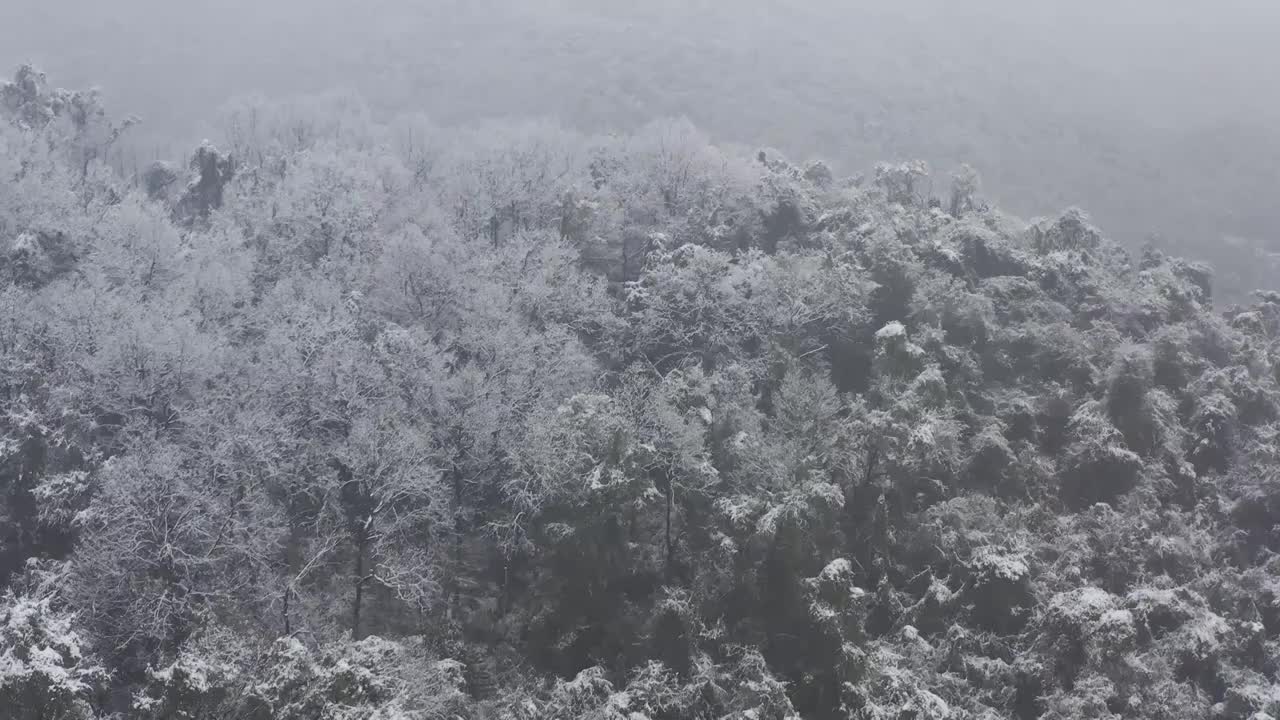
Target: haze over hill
(1158, 118)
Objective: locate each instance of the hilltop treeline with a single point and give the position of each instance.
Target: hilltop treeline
(353, 419)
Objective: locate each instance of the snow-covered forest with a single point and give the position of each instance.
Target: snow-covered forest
(1158, 116)
(353, 417)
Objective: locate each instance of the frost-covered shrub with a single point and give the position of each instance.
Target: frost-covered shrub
(1070, 624)
(220, 675)
(371, 678)
(45, 671)
(1157, 612)
(1071, 231)
(897, 685)
(901, 182)
(1098, 466)
(203, 680)
(1001, 589)
(990, 460)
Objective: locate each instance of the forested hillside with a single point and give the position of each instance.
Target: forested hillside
(349, 419)
(1158, 117)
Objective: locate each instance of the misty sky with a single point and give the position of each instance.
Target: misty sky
(1155, 115)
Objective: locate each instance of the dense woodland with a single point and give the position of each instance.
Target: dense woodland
(343, 418)
(1158, 117)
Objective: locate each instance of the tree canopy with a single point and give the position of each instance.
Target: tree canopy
(344, 418)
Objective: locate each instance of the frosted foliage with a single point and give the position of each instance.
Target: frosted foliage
(43, 667)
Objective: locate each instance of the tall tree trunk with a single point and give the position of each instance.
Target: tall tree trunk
(670, 492)
(361, 542)
(454, 589)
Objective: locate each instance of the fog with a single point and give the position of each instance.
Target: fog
(1159, 118)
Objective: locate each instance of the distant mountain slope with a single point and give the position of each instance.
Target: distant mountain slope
(1155, 116)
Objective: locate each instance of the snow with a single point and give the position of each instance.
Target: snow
(1115, 629)
(26, 243)
(41, 647)
(1087, 604)
(1208, 630)
(828, 493)
(593, 479)
(892, 330)
(836, 570)
(998, 564)
(933, 706)
(1251, 319)
(1092, 598)
(739, 509)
